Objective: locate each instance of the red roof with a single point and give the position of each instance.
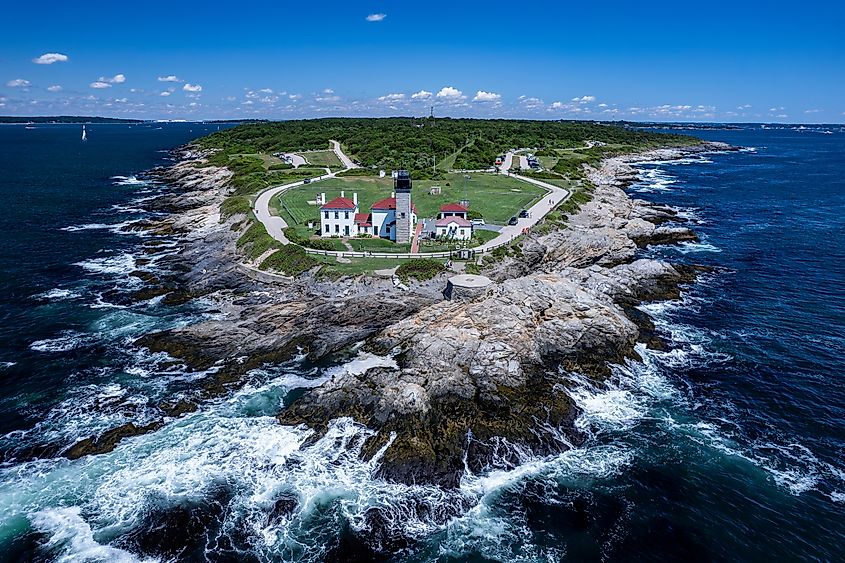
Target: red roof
(388, 204)
(340, 203)
(459, 221)
(363, 220)
(454, 208)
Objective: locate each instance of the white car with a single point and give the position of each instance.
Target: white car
(478, 222)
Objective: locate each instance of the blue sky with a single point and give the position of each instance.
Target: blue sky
(712, 61)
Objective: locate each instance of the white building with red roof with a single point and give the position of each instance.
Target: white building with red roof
(453, 210)
(341, 217)
(383, 217)
(337, 217)
(453, 227)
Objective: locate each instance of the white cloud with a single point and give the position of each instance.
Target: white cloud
(482, 96)
(391, 98)
(18, 83)
(812, 110)
(529, 102)
(449, 93)
(376, 17)
(192, 88)
(558, 105)
(99, 84)
(116, 79)
(121, 100)
(745, 106)
(192, 104)
(165, 93)
(266, 91)
(295, 96)
(50, 58)
(422, 95)
(54, 88)
(169, 78)
(328, 91)
(602, 105)
(584, 99)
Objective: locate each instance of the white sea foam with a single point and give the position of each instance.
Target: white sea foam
(71, 539)
(66, 341)
(129, 181)
(57, 294)
(5, 365)
(115, 264)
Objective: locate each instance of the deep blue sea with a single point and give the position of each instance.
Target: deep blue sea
(730, 446)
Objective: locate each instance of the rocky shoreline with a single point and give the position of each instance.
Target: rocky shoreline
(478, 383)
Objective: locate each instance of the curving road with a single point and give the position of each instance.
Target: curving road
(276, 226)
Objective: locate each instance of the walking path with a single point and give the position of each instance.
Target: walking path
(276, 226)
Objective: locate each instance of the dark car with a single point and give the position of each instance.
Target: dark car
(513, 221)
(523, 214)
(306, 181)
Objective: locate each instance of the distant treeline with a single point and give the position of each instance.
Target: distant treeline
(67, 119)
(415, 143)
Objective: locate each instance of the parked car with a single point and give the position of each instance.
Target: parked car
(523, 214)
(306, 181)
(513, 221)
(478, 222)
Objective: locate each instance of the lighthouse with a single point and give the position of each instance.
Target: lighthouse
(404, 221)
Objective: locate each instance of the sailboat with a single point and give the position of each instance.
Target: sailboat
(84, 134)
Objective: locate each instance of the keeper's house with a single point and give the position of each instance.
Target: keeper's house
(340, 217)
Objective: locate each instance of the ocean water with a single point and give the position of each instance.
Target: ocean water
(728, 446)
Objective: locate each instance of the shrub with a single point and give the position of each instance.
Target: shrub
(256, 241)
(233, 206)
(296, 238)
(289, 259)
(280, 166)
(420, 268)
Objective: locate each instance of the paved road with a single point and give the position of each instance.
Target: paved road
(347, 162)
(506, 165)
(535, 212)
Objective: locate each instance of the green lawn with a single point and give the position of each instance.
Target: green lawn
(377, 245)
(496, 198)
(265, 158)
(322, 158)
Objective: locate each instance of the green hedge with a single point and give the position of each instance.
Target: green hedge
(420, 268)
(289, 259)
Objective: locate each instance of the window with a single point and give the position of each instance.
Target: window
(346, 215)
(336, 215)
(327, 227)
(327, 214)
(337, 228)
(402, 215)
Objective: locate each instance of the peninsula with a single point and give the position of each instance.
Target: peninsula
(467, 383)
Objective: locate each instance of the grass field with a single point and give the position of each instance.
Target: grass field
(322, 158)
(496, 198)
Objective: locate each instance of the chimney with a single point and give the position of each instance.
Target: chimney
(323, 198)
(355, 198)
(342, 194)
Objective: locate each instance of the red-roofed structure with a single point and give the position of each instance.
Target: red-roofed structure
(453, 207)
(460, 221)
(341, 203)
(453, 210)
